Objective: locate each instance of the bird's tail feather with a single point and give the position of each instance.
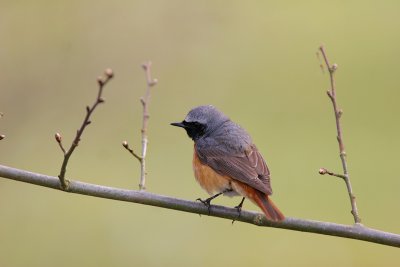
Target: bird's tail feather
(267, 206)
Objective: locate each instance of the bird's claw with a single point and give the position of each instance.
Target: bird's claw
(207, 203)
(239, 209)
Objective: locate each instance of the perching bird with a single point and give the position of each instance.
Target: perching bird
(225, 160)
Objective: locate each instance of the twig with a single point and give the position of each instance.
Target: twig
(58, 138)
(2, 136)
(356, 231)
(89, 110)
(324, 171)
(338, 113)
(145, 120)
(126, 145)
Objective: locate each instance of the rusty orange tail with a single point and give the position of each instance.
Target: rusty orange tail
(267, 206)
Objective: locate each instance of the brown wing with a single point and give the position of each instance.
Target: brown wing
(248, 167)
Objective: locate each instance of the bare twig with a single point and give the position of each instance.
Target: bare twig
(126, 145)
(338, 113)
(324, 171)
(2, 136)
(89, 110)
(145, 120)
(356, 231)
(58, 138)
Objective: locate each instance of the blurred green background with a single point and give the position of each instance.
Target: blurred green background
(254, 60)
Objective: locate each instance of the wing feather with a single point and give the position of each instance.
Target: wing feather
(248, 166)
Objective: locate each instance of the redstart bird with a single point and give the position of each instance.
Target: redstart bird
(225, 160)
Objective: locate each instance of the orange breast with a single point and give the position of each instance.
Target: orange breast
(208, 179)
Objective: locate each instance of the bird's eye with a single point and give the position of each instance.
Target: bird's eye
(194, 125)
(199, 126)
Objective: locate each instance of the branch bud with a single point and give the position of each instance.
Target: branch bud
(329, 93)
(58, 137)
(125, 144)
(153, 82)
(146, 65)
(109, 73)
(323, 171)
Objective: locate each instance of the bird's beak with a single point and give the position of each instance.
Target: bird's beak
(178, 124)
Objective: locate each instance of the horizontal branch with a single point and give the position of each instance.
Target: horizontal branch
(326, 228)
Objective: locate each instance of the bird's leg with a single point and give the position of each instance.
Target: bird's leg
(207, 202)
(239, 209)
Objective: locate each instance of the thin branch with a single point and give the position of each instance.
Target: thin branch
(338, 114)
(89, 110)
(324, 171)
(126, 145)
(356, 231)
(145, 121)
(58, 138)
(2, 136)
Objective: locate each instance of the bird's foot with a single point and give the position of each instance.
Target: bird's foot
(206, 202)
(239, 209)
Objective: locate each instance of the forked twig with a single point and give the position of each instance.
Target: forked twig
(145, 120)
(89, 110)
(338, 113)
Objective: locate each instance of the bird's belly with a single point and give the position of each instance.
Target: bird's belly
(210, 180)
